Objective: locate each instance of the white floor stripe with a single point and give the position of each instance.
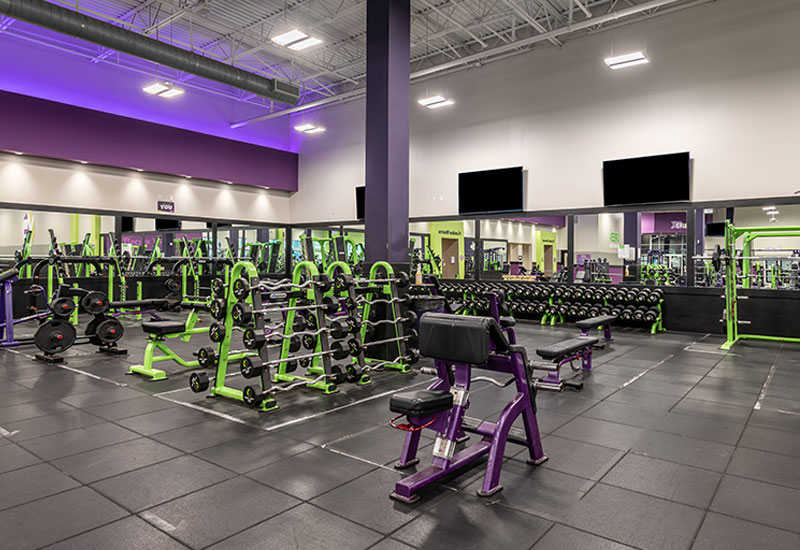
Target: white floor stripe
(90, 375)
(354, 457)
(209, 411)
(635, 378)
(763, 393)
(6, 433)
(162, 524)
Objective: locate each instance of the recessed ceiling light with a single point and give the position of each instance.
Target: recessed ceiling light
(288, 37)
(156, 88)
(228, 182)
(773, 213)
(766, 208)
(19, 153)
(303, 44)
(309, 128)
(83, 162)
(444, 103)
(188, 177)
(139, 170)
(626, 60)
(172, 92)
(431, 100)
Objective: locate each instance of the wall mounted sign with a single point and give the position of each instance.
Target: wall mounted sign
(166, 206)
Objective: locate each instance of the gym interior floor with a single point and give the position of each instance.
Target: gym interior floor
(672, 444)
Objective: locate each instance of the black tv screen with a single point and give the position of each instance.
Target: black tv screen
(127, 224)
(167, 224)
(715, 229)
(491, 191)
(360, 202)
(646, 180)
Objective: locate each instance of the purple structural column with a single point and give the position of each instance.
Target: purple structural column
(387, 132)
(632, 229)
(699, 231)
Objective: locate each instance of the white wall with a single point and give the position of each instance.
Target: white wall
(754, 216)
(592, 233)
(64, 185)
(722, 84)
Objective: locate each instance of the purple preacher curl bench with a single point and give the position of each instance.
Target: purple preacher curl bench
(458, 344)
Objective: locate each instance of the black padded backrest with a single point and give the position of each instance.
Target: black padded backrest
(460, 338)
(9, 274)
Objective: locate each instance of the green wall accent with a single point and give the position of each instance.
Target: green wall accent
(448, 230)
(543, 238)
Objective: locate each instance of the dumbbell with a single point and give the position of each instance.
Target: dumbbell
(655, 296)
(627, 313)
(638, 314)
(651, 315)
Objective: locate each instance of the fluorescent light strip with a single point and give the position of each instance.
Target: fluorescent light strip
(303, 44)
(431, 100)
(444, 103)
(172, 92)
(626, 60)
(767, 208)
(156, 88)
(315, 130)
(288, 37)
(304, 127)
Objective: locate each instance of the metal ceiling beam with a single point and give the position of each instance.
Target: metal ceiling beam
(454, 22)
(531, 21)
(483, 56)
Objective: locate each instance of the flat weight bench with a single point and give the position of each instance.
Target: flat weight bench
(458, 344)
(559, 354)
(158, 332)
(603, 321)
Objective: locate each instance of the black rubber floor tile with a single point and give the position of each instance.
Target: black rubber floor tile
(600, 432)
(111, 395)
(683, 368)
(672, 376)
(205, 434)
(668, 480)
(13, 457)
(774, 441)
(304, 527)
(659, 386)
(716, 411)
(784, 391)
(742, 374)
(548, 420)
(634, 359)
(722, 396)
(764, 466)
(366, 501)
(161, 482)
(728, 384)
(252, 452)
(776, 421)
(637, 520)
(608, 380)
(54, 423)
(466, 522)
(695, 359)
(780, 404)
(379, 445)
(391, 544)
(701, 428)
(24, 411)
(577, 458)
(596, 392)
(131, 533)
(20, 397)
(561, 537)
(77, 441)
(64, 383)
(238, 504)
(311, 473)
(545, 493)
(32, 483)
(726, 533)
(619, 370)
(163, 421)
(643, 399)
(562, 402)
(685, 450)
(625, 414)
(55, 518)
(130, 407)
(325, 429)
(117, 459)
(759, 502)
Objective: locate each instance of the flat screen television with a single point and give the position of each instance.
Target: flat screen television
(360, 202)
(167, 224)
(491, 191)
(646, 180)
(127, 224)
(715, 229)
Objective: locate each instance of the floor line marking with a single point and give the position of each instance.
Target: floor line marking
(342, 407)
(635, 378)
(209, 411)
(162, 524)
(6, 433)
(354, 457)
(781, 411)
(763, 393)
(90, 375)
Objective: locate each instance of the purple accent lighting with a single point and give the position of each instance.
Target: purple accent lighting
(54, 130)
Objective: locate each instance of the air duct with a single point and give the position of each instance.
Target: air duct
(72, 23)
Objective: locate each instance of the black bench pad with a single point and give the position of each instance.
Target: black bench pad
(421, 402)
(9, 274)
(507, 322)
(162, 328)
(460, 338)
(595, 322)
(567, 347)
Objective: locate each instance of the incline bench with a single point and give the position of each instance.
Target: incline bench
(558, 354)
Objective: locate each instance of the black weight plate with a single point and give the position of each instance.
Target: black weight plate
(252, 397)
(217, 308)
(241, 288)
(294, 344)
(172, 284)
(253, 339)
(55, 336)
(62, 307)
(109, 330)
(216, 332)
(198, 382)
(324, 282)
(95, 303)
(309, 341)
(218, 287)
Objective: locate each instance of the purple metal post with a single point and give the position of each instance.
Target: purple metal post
(387, 132)
(7, 323)
(632, 229)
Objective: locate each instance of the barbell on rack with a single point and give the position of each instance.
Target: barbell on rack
(241, 286)
(357, 347)
(250, 369)
(242, 312)
(343, 281)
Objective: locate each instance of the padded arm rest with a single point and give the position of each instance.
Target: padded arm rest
(8, 274)
(459, 338)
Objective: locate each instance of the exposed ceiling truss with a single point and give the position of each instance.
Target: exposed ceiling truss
(446, 35)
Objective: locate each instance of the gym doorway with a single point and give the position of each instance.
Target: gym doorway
(548, 260)
(450, 258)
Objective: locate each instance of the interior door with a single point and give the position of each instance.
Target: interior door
(548, 260)
(449, 258)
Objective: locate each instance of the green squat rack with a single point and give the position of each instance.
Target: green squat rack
(726, 258)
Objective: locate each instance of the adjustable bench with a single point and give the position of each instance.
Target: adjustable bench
(601, 321)
(458, 344)
(558, 354)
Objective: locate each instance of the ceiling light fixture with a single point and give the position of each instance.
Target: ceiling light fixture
(436, 101)
(18, 153)
(163, 89)
(309, 128)
(140, 170)
(83, 162)
(626, 60)
(773, 213)
(286, 38)
(768, 208)
(441, 104)
(303, 44)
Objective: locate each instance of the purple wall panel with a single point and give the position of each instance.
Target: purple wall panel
(55, 130)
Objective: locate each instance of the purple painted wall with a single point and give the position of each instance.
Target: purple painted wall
(55, 130)
(555, 221)
(663, 222)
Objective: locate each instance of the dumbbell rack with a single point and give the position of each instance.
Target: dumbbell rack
(315, 294)
(388, 291)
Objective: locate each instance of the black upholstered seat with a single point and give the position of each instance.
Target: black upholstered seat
(507, 322)
(460, 338)
(567, 347)
(595, 322)
(421, 402)
(161, 328)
